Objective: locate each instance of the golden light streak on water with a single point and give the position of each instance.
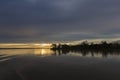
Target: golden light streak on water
(43, 52)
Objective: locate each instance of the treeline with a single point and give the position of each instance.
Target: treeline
(85, 46)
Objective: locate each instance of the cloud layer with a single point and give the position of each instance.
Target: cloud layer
(58, 20)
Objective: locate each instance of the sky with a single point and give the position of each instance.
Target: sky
(58, 20)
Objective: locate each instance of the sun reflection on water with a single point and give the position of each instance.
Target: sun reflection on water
(43, 52)
(38, 52)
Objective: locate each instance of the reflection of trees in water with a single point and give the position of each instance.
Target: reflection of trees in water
(92, 53)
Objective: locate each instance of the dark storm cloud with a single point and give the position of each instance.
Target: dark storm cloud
(51, 20)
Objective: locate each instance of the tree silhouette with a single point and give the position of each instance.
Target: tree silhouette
(84, 47)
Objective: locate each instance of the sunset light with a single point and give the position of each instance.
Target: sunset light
(29, 45)
(43, 52)
(59, 39)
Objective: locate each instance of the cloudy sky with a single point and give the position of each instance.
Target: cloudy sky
(58, 20)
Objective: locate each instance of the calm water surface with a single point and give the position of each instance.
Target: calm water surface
(37, 64)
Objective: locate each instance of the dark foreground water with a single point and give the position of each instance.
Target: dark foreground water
(44, 64)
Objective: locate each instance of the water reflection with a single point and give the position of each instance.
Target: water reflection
(39, 52)
(43, 52)
(97, 54)
(49, 52)
(16, 51)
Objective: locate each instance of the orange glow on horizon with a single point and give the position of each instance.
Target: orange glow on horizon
(16, 45)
